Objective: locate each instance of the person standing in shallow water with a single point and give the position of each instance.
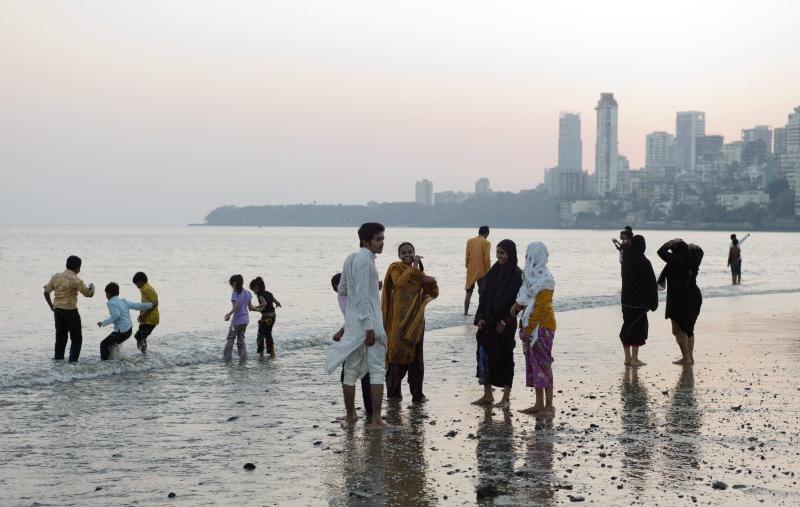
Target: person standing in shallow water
(684, 298)
(64, 306)
(639, 295)
(537, 327)
(361, 347)
(241, 303)
(478, 260)
(407, 290)
(366, 386)
(496, 326)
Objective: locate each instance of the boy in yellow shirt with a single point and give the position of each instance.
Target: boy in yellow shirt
(148, 319)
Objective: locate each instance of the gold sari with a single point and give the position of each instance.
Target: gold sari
(403, 303)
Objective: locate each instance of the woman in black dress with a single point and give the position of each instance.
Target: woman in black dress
(684, 298)
(639, 295)
(496, 326)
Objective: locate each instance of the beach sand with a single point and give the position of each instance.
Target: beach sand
(657, 435)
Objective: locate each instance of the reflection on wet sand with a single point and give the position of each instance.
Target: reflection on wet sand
(684, 420)
(495, 453)
(536, 474)
(386, 468)
(636, 437)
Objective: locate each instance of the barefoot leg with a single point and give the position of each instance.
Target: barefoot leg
(487, 398)
(627, 350)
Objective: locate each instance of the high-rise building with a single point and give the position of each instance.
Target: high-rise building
(570, 147)
(606, 150)
(482, 187)
(659, 150)
(793, 132)
(759, 133)
(569, 183)
(423, 191)
(689, 125)
(779, 141)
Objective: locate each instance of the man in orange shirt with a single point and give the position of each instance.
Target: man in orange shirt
(478, 262)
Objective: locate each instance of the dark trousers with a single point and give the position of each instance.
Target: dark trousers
(112, 341)
(366, 393)
(68, 324)
(416, 373)
(264, 337)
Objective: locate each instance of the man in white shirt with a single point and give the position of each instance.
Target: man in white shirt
(361, 344)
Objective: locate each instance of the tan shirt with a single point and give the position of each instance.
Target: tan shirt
(66, 286)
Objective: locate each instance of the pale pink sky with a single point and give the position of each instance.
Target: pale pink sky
(194, 104)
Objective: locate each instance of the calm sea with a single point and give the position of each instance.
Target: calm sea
(190, 267)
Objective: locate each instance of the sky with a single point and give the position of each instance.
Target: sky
(154, 112)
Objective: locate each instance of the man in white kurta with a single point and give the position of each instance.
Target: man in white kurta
(362, 346)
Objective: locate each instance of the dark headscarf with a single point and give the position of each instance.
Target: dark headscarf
(500, 286)
(638, 279)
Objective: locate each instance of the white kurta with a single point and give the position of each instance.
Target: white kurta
(359, 284)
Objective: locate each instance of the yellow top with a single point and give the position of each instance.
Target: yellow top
(478, 259)
(403, 305)
(149, 295)
(66, 286)
(542, 314)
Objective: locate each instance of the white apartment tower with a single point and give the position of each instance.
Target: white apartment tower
(689, 125)
(570, 147)
(606, 150)
(659, 150)
(423, 192)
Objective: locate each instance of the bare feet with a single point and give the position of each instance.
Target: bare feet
(380, 425)
(679, 361)
(503, 404)
(637, 363)
(532, 410)
(627, 362)
(484, 400)
(546, 412)
(349, 421)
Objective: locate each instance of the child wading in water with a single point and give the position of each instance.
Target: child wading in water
(240, 304)
(537, 327)
(119, 315)
(266, 305)
(148, 319)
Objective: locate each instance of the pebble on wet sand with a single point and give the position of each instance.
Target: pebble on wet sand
(171, 495)
(719, 485)
(249, 466)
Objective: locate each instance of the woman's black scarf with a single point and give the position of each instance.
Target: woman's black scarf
(638, 279)
(500, 286)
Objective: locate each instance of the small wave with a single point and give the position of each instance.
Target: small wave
(190, 350)
(91, 369)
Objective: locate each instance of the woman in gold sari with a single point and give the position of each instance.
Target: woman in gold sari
(407, 290)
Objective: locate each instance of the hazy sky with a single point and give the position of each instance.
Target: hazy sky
(155, 112)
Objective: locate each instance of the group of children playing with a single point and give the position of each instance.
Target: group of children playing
(65, 287)
(241, 304)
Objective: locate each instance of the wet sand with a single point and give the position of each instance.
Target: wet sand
(657, 435)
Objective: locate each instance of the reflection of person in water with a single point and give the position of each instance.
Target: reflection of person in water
(684, 420)
(537, 475)
(495, 451)
(406, 467)
(362, 469)
(636, 437)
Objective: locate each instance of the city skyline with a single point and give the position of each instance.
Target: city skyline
(192, 106)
